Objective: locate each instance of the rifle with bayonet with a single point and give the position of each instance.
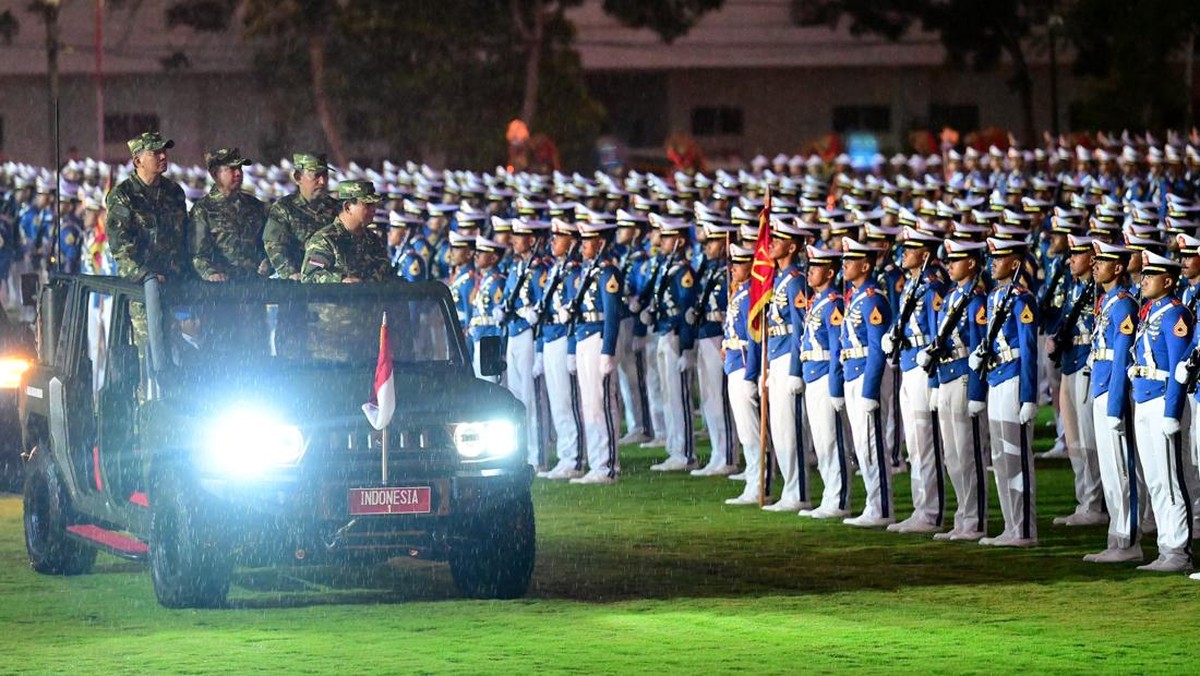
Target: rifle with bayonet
(552, 288)
(1063, 335)
(1001, 315)
(589, 277)
(910, 306)
(1046, 302)
(659, 285)
(940, 347)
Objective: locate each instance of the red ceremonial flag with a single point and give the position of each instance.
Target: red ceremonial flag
(762, 272)
(383, 396)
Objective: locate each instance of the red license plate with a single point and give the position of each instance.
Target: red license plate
(391, 500)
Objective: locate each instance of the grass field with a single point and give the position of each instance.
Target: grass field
(654, 574)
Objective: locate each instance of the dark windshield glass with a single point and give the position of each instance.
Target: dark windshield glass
(310, 331)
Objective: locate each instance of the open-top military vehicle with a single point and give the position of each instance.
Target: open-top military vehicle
(205, 426)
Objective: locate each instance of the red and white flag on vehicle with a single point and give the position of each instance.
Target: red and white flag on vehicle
(383, 396)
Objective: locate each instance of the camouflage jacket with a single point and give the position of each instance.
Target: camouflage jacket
(227, 235)
(147, 228)
(290, 222)
(333, 254)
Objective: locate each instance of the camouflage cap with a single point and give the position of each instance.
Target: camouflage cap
(150, 140)
(225, 157)
(310, 162)
(363, 191)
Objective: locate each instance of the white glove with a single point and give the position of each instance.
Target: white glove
(685, 360)
(1050, 343)
(975, 361)
(1116, 423)
(870, 405)
(528, 313)
(1181, 372)
(839, 403)
(690, 316)
(1029, 411)
(796, 384)
(498, 314)
(646, 318)
(933, 399)
(571, 367)
(562, 316)
(923, 358)
(1129, 370)
(886, 343)
(607, 364)
(635, 305)
(974, 408)
(1170, 426)
(539, 365)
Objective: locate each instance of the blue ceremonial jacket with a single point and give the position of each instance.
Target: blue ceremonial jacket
(1162, 340)
(1112, 339)
(1015, 347)
(966, 337)
(821, 340)
(868, 316)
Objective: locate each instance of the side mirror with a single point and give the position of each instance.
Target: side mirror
(491, 356)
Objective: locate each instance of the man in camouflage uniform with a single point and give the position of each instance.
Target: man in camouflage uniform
(227, 224)
(147, 216)
(295, 218)
(343, 251)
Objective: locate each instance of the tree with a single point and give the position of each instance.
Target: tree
(977, 33)
(1129, 54)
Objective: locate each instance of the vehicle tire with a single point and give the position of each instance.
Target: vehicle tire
(48, 512)
(492, 557)
(189, 563)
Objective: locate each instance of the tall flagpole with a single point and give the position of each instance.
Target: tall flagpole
(762, 418)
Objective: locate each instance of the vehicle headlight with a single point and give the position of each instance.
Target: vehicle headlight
(485, 440)
(11, 371)
(246, 442)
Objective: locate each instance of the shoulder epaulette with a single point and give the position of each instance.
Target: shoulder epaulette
(794, 272)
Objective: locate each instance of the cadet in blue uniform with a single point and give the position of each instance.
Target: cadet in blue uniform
(1161, 343)
(517, 315)
(557, 350)
(597, 322)
(959, 394)
(1070, 347)
(1009, 360)
(868, 315)
(487, 298)
(708, 316)
(406, 261)
(461, 258)
(743, 386)
(631, 361)
(921, 298)
(821, 366)
(784, 321)
(1112, 341)
(674, 293)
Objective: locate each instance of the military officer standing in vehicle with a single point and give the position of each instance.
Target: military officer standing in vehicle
(1159, 398)
(295, 218)
(343, 251)
(1008, 357)
(227, 224)
(147, 216)
(868, 315)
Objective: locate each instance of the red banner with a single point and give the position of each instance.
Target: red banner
(762, 272)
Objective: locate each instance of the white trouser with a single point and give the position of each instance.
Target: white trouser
(631, 372)
(963, 444)
(561, 390)
(893, 432)
(925, 467)
(743, 400)
(655, 392)
(1075, 412)
(873, 460)
(781, 411)
(1117, 463)
(519, 356)
(1012, 460)
(677, 400)
(714, 401)
(1162, 461)
(823, 429)
(598, 404)
(1191, 473)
